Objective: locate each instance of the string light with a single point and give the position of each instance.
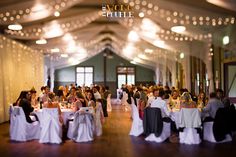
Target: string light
(183, 18)
(12, 14)
(65, 25)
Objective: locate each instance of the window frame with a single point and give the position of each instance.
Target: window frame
(84, 73)
(125, 73)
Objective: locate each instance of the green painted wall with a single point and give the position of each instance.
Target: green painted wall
(67, 75)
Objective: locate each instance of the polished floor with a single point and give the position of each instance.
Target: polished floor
(115, 142)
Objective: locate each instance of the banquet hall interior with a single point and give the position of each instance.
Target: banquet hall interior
(110, 69)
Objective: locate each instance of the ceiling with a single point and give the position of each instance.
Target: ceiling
(81, 31)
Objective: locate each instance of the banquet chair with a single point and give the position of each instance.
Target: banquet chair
(109, 108)
(98, 116)
(219, 130)
(209, 136)
(189, 120)
(20, 129)
(154, 128)
(51, 128)
(82, 127)
(137, 124)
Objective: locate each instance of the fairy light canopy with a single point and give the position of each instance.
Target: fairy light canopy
(68, 29)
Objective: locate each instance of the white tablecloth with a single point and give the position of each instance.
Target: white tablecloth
(66, 113)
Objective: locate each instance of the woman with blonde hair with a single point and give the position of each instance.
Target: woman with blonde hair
(186, 101)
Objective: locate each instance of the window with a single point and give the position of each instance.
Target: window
(125, 75)
(84, 76)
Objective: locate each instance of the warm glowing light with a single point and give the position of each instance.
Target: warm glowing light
(137, 60)
(141, 14)
(67, 37)
(41, 41)
(159, 43)
(181, 55)
(15, 27)
(148, 50)
(178, 29)
(57, 13)
(54, 30)
(142, 56)
(55, 50)
(133, 62)
(133, 36)
(80, 56)
(38, 7)
(72, 61)
(128, 50)
(81, 50)
(148, 26)
(64, 55)
(225, 40)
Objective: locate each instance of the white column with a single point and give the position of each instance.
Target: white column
(173, 75)
(187, 73)
(157, 71)
(52, 70)
(210, 74)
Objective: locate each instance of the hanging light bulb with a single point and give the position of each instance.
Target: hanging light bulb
(15, 27)
(41, 41)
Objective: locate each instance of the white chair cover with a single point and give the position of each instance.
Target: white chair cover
(51, 128)
(190, 119)
(109, 108)
(98, 123)
(124, 98)
(209, 136)
(164, 135)
(82, 127)
(20, 129)
(137, 124)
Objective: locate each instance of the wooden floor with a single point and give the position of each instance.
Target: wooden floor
(115, 142)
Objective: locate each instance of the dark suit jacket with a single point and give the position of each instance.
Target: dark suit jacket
(27, 108)
(223, 123)
(152, 121)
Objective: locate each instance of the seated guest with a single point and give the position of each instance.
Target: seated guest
(34, 101)
(159, 103)
(212, 106)
(52, 104)
(174, 101)
(219, 94)
(90, 98)
(61, 94)
(201, 101)
(72, 96)
(186, 101)
(45, 95)
(142, 104)
(78, 103)
(21, 96)
(26, 106)
(96, 93)
(81, 97)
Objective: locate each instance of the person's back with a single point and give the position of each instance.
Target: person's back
(51, 104)
(213, 105)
